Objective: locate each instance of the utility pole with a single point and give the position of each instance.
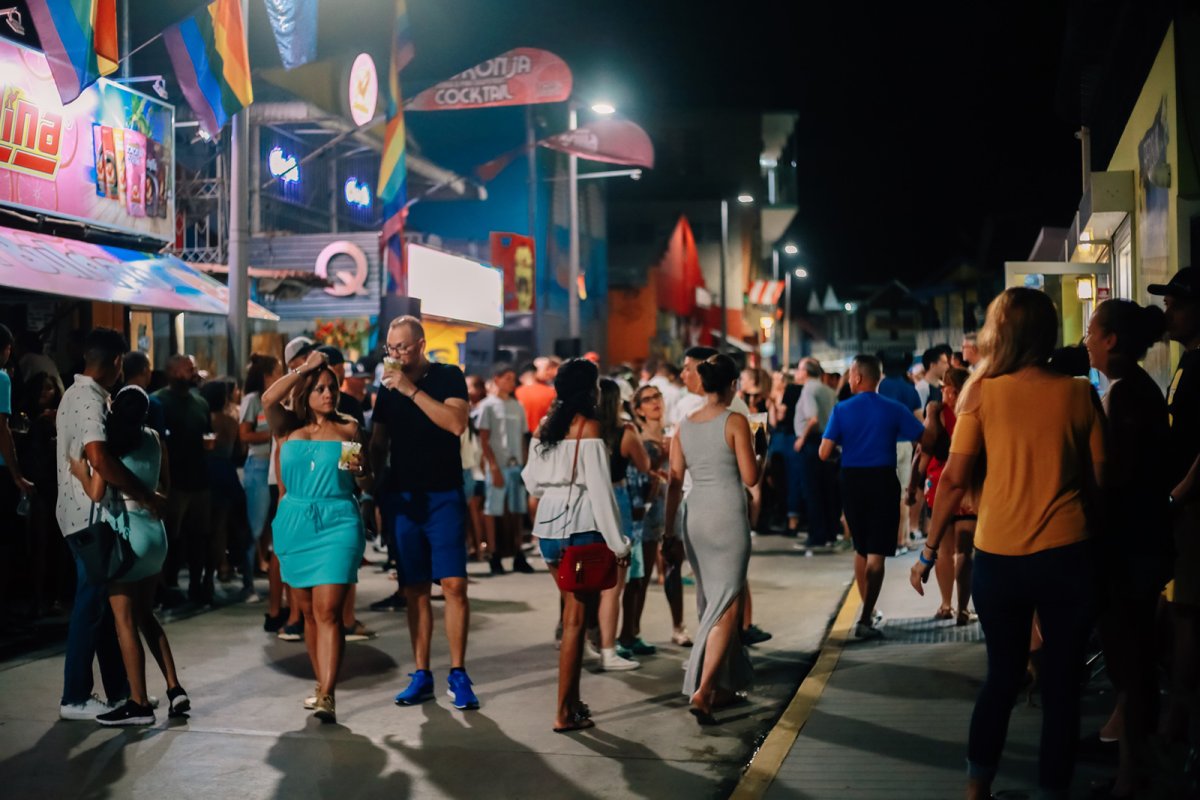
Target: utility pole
(573, 274)
(239, 195)
(721, 345)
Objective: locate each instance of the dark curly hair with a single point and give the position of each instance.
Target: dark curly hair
(578, 392)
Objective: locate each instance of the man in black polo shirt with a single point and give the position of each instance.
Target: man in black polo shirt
(419, 416)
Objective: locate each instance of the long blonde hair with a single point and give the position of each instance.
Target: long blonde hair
(1020, 331)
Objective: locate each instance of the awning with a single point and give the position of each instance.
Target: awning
(36, 262)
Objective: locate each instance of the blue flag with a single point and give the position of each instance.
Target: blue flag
(295, 26)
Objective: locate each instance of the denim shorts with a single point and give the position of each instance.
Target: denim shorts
(510, 498)
(553, 549)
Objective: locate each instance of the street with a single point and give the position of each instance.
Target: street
(248, 736)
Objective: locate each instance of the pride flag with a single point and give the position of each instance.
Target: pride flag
(392, 168)
(208, 51)
(80, 41)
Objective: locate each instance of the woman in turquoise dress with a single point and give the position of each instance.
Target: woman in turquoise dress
(132, 596)
(317, 530)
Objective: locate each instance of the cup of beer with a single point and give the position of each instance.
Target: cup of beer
(350, 453)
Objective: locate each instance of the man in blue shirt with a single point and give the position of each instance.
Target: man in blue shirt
(896, 386)
(867, 427)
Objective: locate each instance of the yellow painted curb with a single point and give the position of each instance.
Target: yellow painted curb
(767, 762)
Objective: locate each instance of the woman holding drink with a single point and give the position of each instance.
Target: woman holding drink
(317, 529)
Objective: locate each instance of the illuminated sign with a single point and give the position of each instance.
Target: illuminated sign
(344, 283)
(283, 165)
(363, 89)
(106, 158)
(455, 288)
(357, 194)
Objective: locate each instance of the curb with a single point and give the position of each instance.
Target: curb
(769, 759)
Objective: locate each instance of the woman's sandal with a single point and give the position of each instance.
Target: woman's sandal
(578, 723)
(944, 613)
(704, 718)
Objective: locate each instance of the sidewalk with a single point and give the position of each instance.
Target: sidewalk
(249, 738)
(889, 718)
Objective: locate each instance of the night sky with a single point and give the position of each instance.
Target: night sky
(928, 136)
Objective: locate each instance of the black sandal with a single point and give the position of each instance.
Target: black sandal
(578, 723)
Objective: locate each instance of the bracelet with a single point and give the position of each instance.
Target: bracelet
(415, 392)
(927, 562)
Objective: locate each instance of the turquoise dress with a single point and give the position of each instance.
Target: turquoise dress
(317, 531)
(145, 533)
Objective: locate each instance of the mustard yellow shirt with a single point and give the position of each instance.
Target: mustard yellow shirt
(1039, 435)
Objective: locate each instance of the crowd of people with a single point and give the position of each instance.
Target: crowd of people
(1057, 507)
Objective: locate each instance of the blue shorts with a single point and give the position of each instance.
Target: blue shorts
(632, 530)
(468, 483)
(553, 549)
(511, 497)
(430, 533)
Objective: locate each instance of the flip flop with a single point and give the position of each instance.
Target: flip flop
(944, 613)
(578, 724)
(704, 718)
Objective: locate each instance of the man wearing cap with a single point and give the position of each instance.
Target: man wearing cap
(1181, 297)
(350, 406)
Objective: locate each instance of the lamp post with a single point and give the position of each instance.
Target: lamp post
(603, 108)
(239, 196)
(744, 199)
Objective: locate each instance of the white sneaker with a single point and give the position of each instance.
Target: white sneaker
(611, 662)
(87, 710)
(589, 649)
(151, 701)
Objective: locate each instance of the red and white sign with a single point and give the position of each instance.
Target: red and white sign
(514, 254)
(765, 293)
(613, 141)
(519, 77)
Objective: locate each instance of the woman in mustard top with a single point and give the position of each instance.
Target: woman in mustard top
(1040, 438)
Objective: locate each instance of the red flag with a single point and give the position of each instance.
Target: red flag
(614, 141)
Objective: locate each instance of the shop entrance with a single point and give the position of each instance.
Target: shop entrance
(1075, 287)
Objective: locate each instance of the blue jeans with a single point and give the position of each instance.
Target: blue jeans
(784, 445)
(817, 481)
(258, 506)
(1060, 585)
(92, 635)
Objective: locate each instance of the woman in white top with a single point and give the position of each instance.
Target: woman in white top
(572, 501)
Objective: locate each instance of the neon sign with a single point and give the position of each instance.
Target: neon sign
(357, 194)
(283, 166)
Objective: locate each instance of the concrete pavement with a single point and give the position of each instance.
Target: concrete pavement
(248, 736)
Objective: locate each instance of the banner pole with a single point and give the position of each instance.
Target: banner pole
(239, 197)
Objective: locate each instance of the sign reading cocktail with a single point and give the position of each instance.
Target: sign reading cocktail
(105, 158)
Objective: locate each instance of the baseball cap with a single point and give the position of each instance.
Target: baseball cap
(332, 354)
(1185, 283)
(300, 346)
(359, 370)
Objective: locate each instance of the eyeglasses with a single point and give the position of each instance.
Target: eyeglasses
(646, 398)
(397, 349)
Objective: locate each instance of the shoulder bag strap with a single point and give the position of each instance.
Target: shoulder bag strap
(574, 471)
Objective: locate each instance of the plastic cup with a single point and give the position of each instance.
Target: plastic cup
(350, 452)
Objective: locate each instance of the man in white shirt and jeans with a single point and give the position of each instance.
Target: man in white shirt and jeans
(91, 634)
(819, 479)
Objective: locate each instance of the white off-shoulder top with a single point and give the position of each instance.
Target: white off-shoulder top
(587, 505)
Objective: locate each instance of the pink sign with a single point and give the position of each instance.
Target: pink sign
(50, 265)
(49, 152)
(519, 77)
(614, 141)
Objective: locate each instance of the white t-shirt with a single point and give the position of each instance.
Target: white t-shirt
(80, 422)
(506, 424)
(252, 411)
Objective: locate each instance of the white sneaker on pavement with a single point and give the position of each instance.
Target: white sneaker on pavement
(87, 710)
(865, 632)
(611, 662)
(589, 649)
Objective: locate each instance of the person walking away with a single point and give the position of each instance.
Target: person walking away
(502, 429)
(955, 555)
(813, 407)
(189, 507)
(228, 497)
(715, 446)
(131, 598)
(649, 410)
(625, 449)
(419, 416)
(91, 634)
(572, 502)
(896, 386)
(867, 428)
(537, 395)
(1042, 436)
(317, 529)
(1135, 502)
(1182, 297)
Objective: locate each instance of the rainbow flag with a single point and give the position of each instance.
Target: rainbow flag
(392, 168)
(208, 51)
(80, 41)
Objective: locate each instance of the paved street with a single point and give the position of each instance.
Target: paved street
(249, 738)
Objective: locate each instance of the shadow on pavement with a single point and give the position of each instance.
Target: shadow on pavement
(648, 775)
(360, 663)
(320, 761)
(89, 773)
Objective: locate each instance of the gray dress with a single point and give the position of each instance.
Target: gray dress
(717, 540)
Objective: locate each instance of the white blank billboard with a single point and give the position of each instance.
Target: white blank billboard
(455, 288)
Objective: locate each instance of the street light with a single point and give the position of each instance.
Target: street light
(601, 107)
(801, 273)
(791, 249)
(745, 199)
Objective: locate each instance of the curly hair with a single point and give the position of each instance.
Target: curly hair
(577, 389)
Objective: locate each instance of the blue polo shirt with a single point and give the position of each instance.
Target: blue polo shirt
(901, 391)
(867, 426)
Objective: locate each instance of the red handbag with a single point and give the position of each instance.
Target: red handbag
(585, 567)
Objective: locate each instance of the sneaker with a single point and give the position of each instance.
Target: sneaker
(589, 649)
(128, 714)
(496, 567)
(179, 701)
(394, 602)
(688, 580)
(273, 624)
(681, 637)
(917, 535)
(864, 632)
(311, 702)
(87, 710)
(623, 651)
(611, 662)
(902, 550)
(520, 564)
(358, 633)
(877, 618)
(755, 635)
(640, 648)
(419, 689)
(324, 709)
(292, 633)
(151, 701)
(460, 690)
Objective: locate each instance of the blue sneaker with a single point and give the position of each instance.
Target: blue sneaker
(419, 689)
(460, 690)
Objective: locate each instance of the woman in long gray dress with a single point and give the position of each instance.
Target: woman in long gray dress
(716, 449)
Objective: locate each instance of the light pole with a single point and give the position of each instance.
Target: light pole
(573, 204)
(239, 196)
(744, 199)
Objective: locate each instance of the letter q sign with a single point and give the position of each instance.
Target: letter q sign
(345, 282)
